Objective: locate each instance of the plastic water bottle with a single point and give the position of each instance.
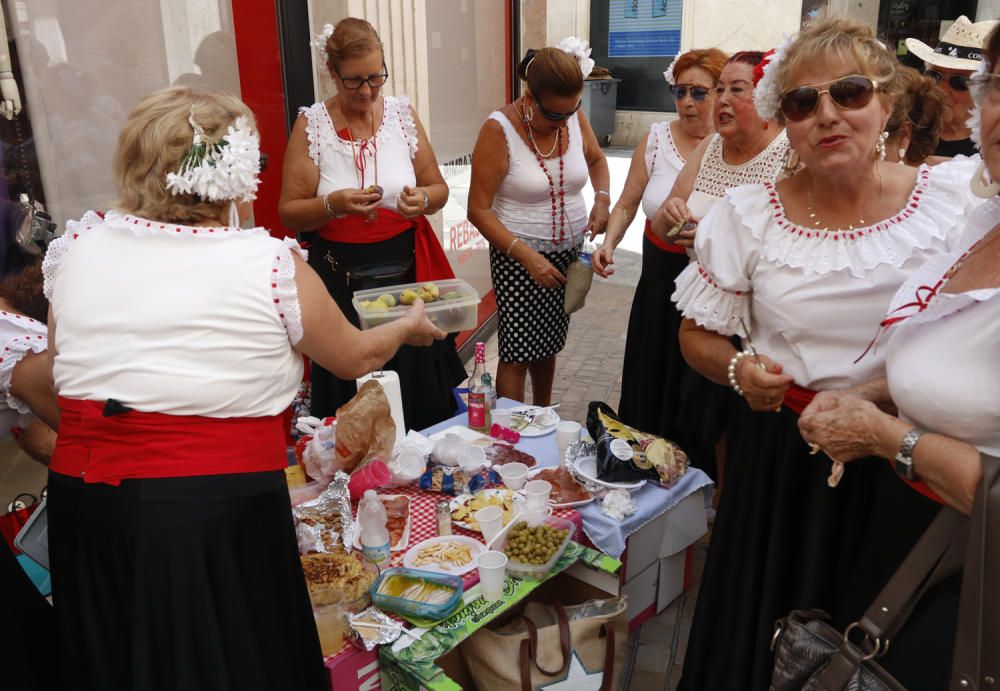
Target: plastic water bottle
(374, 533)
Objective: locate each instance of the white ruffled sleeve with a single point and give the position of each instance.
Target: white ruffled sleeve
(284, 290)
(60, 247)
(408, 124)
(316, 132)
(13, 352)
(714, 290)
(652, 143)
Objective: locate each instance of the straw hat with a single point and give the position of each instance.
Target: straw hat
(961, 47)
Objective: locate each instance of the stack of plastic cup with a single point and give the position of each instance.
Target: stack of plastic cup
(492, 572)
(490, 520)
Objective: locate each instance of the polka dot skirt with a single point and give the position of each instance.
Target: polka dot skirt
(533, 323)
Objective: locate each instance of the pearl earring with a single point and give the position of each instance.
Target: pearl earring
(902, 156)
(880, 146)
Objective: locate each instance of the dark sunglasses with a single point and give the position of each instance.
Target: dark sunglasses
(680, 92)
(555, 117)
(958, 82)
(374, 81)
(849, 93)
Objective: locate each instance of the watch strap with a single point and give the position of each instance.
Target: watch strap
(904, 459)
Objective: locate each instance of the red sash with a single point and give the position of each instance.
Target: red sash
(665, 246)
(797, 398)
(430, 260)
(131, 444)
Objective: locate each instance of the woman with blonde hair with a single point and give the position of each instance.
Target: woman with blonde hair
(360, 171)
(800, 270)
(178, 338)
(653, 365)
(531, 162)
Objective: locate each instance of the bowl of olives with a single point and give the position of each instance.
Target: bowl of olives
(533, 548)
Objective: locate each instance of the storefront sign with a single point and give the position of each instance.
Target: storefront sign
(644, 28)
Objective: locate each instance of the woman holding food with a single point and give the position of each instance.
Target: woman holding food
(360, 171)
(529, 167)
(653, 363)
(178, 339)
(801, 270)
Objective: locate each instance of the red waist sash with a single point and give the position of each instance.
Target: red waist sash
(665, 246)
(797, 398)
(431, 263)
(128, 444)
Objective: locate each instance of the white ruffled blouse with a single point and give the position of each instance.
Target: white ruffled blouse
(942, 354)
(175, 319)
(813, 299)
(19, 335)
(663, 164)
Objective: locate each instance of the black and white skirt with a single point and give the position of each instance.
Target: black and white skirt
(533, 323)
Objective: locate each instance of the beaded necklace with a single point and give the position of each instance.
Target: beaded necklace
(558, 206)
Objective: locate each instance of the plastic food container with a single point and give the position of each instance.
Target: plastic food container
(387, 593)
(454, 309)
(535, 572)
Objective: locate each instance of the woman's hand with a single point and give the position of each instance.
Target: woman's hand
(602, 260)
(672, 213)
(542, 271)
(410, 203)
(598, 217)
(420, 331)
(764, 384)
(844, 426)
(350, 201)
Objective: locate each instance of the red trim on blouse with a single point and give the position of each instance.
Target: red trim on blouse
(133, 444)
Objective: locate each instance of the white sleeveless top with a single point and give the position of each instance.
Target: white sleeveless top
(523, 202)
(942, 358)
(663, 164)
(812, 299)
(395, 145)
(19, 335)
(716, 177)
(174, 319)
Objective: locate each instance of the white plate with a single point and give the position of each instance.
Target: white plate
(461, 499)
(587, 467)
(534, 472)
(474, 545)
(536, 428)
(405, 539)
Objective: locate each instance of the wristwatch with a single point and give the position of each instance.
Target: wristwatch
(904, 459)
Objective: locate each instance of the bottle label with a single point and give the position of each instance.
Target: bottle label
(378, 554)
(477, 409)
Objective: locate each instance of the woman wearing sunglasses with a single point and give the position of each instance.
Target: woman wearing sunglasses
(950, 64)
(531, 162)
(360, 170)
(653, 363)
(801, 270)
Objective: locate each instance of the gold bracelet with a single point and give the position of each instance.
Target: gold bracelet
(511, 246)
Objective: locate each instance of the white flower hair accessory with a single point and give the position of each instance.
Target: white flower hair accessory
(766, 97)
(225, 170)
(668, 74)
(579, 49)
(319, 40)
(978, 90)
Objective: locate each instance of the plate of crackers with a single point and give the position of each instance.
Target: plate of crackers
(448, 554)
(464, 506)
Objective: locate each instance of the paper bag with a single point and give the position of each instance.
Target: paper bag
(365, 429)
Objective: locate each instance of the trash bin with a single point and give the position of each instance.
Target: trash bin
(600, 100)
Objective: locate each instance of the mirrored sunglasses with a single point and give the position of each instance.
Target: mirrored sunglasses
(681, 91)
(848, 93)
(958, 82)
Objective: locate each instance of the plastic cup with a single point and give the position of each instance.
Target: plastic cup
(513, 475)
(536, 496)
(490, 520)
(375, 474)
(567, 432)
(331, 623)
(492, 567)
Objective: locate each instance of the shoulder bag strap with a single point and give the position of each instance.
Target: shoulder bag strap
(529, 647)
(609, 656)
(976, 663)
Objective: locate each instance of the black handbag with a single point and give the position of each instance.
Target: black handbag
(380, 275)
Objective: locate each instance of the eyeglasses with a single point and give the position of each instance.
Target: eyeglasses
(985, 84)
(681, 91)
(738, 90)
(373, 82)
(848, 93)
(958, 82)
(555, 117)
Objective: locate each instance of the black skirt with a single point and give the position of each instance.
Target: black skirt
(784, 540)
(427, 375)
(533, 321)
(180, 583)
(28, 657)
(661, 393)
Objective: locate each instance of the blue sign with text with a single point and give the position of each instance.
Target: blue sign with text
(644, 28)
